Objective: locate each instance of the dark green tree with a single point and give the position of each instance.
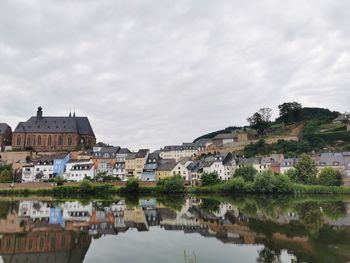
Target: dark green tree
(246, 172)
(290, 112)
(306, 170)
(260, 121)
(210, 179)
(330, 177)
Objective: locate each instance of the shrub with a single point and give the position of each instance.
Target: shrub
(131, 186)
(235, 185)
(210, 179)
(246, 172)
(85, 187)
(330, 177)
(173, 184)
(264, 182)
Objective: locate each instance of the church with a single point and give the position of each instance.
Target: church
(44, 133)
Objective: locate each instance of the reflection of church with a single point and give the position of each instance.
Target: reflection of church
(26, 240)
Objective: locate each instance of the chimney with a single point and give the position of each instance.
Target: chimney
(39, 113)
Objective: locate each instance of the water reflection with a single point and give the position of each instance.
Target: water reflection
(305, 229)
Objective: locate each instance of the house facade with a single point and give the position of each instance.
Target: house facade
(44, 133)
(135, 163)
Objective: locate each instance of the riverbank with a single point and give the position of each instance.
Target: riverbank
(227, 188)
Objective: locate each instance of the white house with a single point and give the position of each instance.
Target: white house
(223, 164)
(43, 169)
(75, 211)
(178, 152)
(37, 211)
(79, 171)
(28, 173)
(181, 168)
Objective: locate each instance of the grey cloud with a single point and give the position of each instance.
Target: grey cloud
(150, 73)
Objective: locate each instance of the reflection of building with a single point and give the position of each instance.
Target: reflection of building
(44, 246)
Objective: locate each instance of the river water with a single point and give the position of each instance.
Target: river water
(176, 229)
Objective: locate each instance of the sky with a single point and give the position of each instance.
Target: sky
(150, 73)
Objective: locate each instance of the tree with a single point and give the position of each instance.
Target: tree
(210, 179)
(265, 182)
(290, 112)
(246, 172)
(260, 120)
(330, 177)
(132, 186)
(172, 184)
(306, 170)
(6, 176)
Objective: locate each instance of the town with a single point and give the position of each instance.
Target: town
(43, 148)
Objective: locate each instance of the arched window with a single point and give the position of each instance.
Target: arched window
(39, 140)
(59, 140)
(29, 140)
(49, 140)
(69, 141)
(18, 140)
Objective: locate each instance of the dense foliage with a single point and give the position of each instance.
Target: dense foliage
(6, 175)
(246, 172)
(172, 184)
(330, 177)
(210, 179)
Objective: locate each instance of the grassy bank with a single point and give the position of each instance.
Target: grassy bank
(231, 187)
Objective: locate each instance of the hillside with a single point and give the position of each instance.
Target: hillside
(309, 130)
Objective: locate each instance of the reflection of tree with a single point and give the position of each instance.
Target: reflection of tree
(334, 210)
(172, 201)
(311, 217)
(269, 254)
(210, 205)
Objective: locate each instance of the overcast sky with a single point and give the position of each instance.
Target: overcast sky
(150, 73)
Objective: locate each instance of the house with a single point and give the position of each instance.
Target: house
(119, 171)
(288, 164)
(28, 173)
(335, 160)
(5, 136)
(78, 170)
(178, 152)
(59, 163)
(235, 138)
(135, 162)
(224, 165)
(43, 168)
(104, 159)
(343, 118)
(150, 167)
(258, 163)
(44, 133)
(181, 168)
(165, 168)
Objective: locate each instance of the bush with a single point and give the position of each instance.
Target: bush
(210, 179)
(246, 172)
(173, 184)
(131, 186)
(330, 177)
(264, 182)
(86, 187)
(235, 185)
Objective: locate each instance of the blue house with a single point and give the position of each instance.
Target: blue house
(59, 163)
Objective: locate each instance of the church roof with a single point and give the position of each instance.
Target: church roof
(45, 124)
(3, 128)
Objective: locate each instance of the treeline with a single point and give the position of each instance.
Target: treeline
(304, 178)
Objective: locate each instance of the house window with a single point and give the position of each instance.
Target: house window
(49, 140)
(39, 140)
(18, 140)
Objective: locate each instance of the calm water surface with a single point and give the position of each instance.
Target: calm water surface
(177, 229)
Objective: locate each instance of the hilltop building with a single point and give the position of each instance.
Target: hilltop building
(43, 133)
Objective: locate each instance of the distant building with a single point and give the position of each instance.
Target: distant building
(135, 163)
(178, 152)
(5, 136)
(43, 133)
(104, 159)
